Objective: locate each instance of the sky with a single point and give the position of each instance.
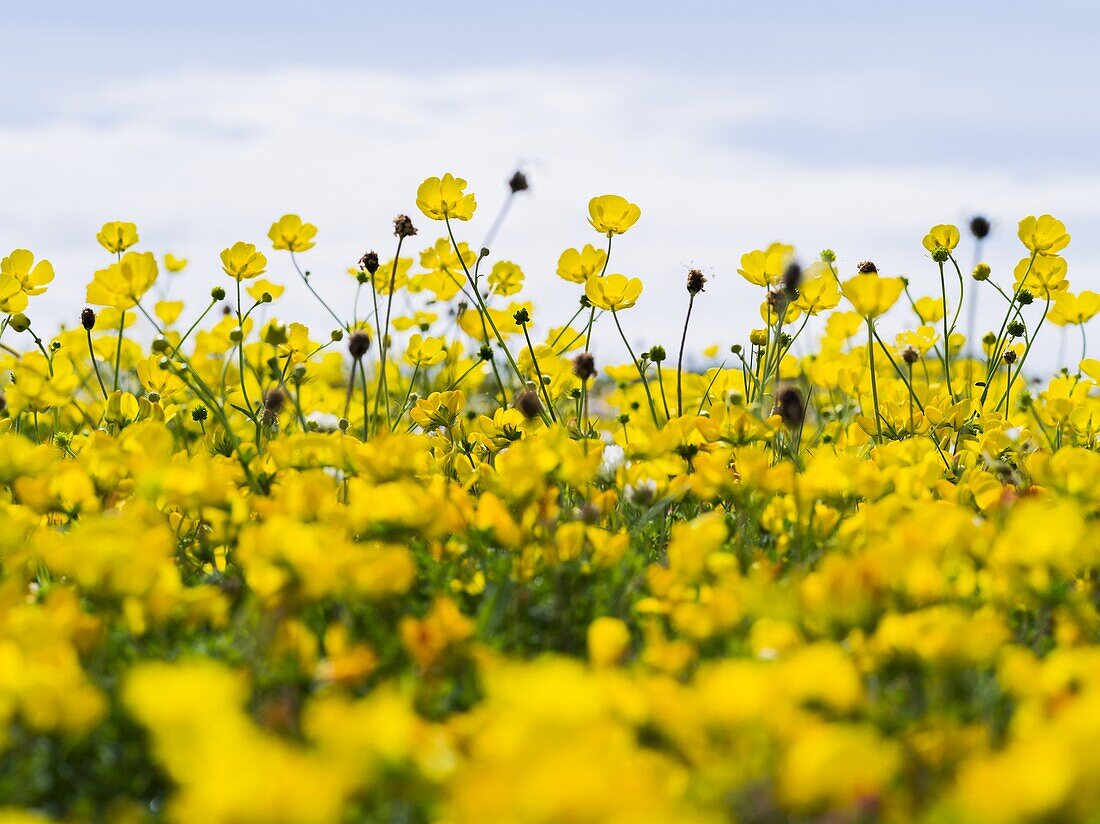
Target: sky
(854, 126)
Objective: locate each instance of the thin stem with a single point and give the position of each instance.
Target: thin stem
(118, 348)
(95, 363)
(680, 360)
(638, 366)
(309, 286)
(874, 379)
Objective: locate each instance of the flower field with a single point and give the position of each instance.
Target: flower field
(433, 560)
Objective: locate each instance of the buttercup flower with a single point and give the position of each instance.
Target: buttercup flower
(1043, 235)
(288, 232)
(871, 294)
(612, 214)
(174, 264)
(122, 284)
(117, 236)
(942, 235)
(440, 199)
(241, 261)
(32, 277)
(577, 266)
(613, 291)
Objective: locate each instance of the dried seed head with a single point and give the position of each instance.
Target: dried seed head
(87, 318)
(979, 227)
(790, 407)
(584, 366)
(528, 403)
(358, 344)
(1010, 357)
(867, 267)
(369, 262)
(695, 282)
(403, 226)
(792, 279)
(518, 183)
(910, 355)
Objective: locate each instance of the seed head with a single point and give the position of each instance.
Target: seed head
(358, 344)
(87, 318)
(867, 267)
(369, 262)
(528, 403)
(979, 227)
(199, 414)
(403, 226)
(1010, 357)
(792, 279)
(790, 407)
(910, 355)
(695, 282)
(584, 366)
(518, 182)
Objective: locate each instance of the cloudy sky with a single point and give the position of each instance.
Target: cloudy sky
(853, 126)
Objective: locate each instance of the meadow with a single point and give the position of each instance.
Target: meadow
(433, 561)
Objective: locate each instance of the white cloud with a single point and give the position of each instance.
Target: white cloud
(200, 160)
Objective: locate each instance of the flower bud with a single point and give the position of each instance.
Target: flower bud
(19, 322)
(981, 272)
(199, 414)
(217, 293)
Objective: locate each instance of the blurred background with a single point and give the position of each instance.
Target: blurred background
(854, 126)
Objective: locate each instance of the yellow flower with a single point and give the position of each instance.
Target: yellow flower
(943, 234)
(765, 267)
(173, 263)
(818, 291)
(32, 277)
(168, 311)
(440, 199)
(123, 284)
(241, 261)
(612, 215)
(257, 289)
(608, 641)
(1043, 235)
(929, 309)
(288, 232)
(12, 298)
(1073, 310)
(613, 292)
(438, 409)
(117, 236)
(506, 278)
(577, 266)
(421, 351)
(1042, 277)
(872, 295)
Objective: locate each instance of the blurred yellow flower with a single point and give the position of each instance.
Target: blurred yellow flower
(123, 284)
(872, 295)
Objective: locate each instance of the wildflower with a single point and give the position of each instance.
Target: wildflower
(981, 272)
(608, 641)
(613, 292)
(424, 352)
(943, 235)
(577, 266)
(174, 264)
(32, 277)
(122, 284)
(117, 236)
(765, 267)
(241, 261)
(872, 295)
(289, 233)
(444, 198)
(612, 214)
(505, 278)
(1044, 276)
(1043, 235)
